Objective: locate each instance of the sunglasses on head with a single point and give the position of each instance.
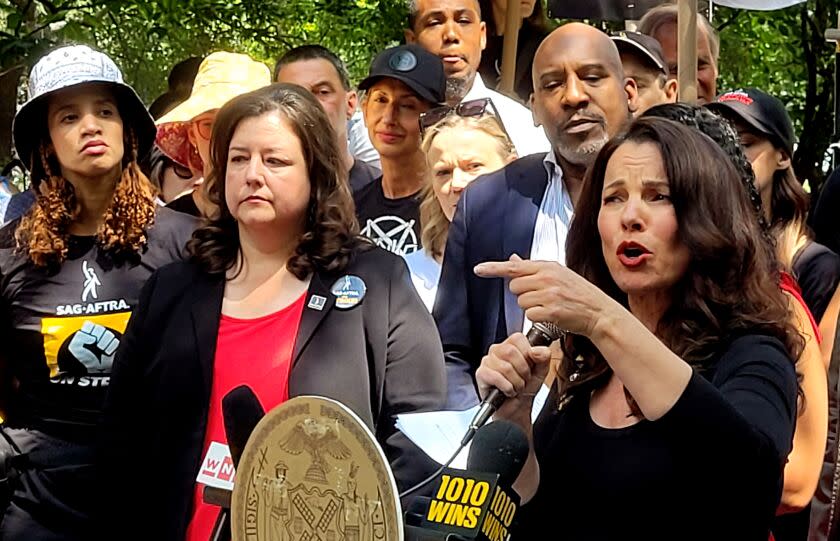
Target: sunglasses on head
(468, 109)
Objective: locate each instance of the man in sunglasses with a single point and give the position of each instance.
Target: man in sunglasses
(453, 30)
(582, 99)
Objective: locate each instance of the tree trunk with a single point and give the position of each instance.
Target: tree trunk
(8, 103)
(819, 109)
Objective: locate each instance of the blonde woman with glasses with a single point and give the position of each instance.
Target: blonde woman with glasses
(458, 148)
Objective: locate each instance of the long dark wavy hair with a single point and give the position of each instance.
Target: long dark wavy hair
(789, 202)
(719, 130)
(44, 231)
(731, 287)
(330, 230)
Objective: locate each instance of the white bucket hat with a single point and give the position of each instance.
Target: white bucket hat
(71, 66)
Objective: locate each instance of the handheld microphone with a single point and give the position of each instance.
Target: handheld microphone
(241, 411)
(476, 504)
(540, 334)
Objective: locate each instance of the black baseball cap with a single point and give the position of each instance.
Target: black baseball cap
(413, 65)
(763, 112)
(649, 48)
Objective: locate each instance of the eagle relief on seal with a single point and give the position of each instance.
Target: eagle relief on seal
(312, 472)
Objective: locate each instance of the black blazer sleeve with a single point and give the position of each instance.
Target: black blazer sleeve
(414, 376)
(121, 440)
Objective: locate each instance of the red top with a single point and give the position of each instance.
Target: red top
(254, 352)
(789, 284)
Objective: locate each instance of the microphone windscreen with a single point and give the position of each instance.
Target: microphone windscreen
(417, 510)
(499, 447)
(241, 411)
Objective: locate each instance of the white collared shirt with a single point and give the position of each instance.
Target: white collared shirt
(518, 121)
(527, 138)
(553, 219)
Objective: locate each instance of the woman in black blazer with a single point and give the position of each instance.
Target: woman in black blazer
(260, 303)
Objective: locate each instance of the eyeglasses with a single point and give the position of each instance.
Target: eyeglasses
(469, 109)
(204, 127)
(184, 173)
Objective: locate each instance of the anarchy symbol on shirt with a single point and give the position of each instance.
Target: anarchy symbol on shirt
(392, 233)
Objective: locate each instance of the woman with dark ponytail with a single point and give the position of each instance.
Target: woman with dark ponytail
(71, 270)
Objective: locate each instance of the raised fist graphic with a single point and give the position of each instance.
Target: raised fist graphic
(94, 346)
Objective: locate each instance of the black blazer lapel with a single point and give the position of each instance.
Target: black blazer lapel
(524, 196)
(206, 312)
(312, 315)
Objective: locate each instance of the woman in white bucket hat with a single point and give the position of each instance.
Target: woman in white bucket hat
(71, 271)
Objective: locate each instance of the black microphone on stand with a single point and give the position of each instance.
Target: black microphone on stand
(476, 504)
(540, 334)
(241, 411)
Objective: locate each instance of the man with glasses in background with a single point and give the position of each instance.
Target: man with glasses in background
(582, 99)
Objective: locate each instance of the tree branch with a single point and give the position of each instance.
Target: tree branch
(23, 16)
(730, 20)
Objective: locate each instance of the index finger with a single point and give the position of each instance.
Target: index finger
(506, 269)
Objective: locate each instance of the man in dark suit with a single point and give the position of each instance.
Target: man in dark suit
(582, 99)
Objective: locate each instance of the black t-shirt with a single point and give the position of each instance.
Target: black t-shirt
(61, 327)
(185, 204)
(362, 174)
(710, 468)
(824, 219)
(817, 271)
(392, 224)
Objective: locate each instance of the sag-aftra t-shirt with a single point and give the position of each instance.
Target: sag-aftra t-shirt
(61, 327)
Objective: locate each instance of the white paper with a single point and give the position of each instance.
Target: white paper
(438, 433)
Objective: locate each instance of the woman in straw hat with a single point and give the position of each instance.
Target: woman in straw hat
(71, 270)
(184, 133)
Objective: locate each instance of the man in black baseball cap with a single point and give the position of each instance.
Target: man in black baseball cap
(644, 62)
(403, 82)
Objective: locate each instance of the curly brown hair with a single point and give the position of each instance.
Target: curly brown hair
(731, 287)
(44, 231)
(331, 232)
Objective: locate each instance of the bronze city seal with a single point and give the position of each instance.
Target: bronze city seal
(313, 471)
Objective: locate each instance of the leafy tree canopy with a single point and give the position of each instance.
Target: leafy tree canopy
(782, 52)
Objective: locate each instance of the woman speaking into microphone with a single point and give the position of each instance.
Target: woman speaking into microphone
(280, 294)
(674, 403)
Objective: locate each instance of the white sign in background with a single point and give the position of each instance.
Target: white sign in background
(763, 5)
